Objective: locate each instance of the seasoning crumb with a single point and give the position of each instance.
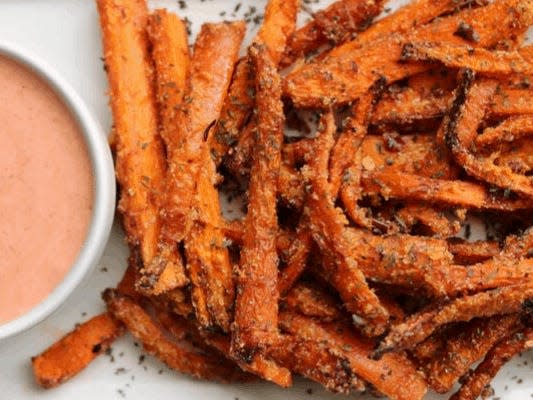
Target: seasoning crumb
(121, 393)
(83, 314)
(160, 372)
(309, 391)
(121, 371)
(182, 4)
(103, 269)
(141, 358)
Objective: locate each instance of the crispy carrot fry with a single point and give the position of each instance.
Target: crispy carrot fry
(322, 365)
(126, 286)
(394, 375)
(508, 131)
(255, 324)
(261, 366)
(140, 162)
(170, 53)
(291, 186)
(465, 252)
(177, 357)
(465, 348)
(519, 157)
(510, 102)
(278, 25)
(313, 301)
(298, 253)
(505, 300)
(209, 267)
(495, 62)
(240, 160)
(327, 226)
(433, 221)
(460, 129)
(414, 14)
(349, 141)
(331, 80)
(497, 356)
(335, 24)
(72, 353)
(234, 230)
(398, 185)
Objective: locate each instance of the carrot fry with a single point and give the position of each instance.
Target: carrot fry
(431, 220)
(494, 62)
(394, 375)
(489, 367)
(291, 186)
(234, 230)
(465, 252)
(519, 157)
(72, 353)
(140, 162)
(298, 253)
(261, 366)
(464, 349)
(177, 357)
(313, 301)
(278, 25)
(327, 226)
(216, 51)
(460, 129)
(170, 53)
(410, 105)
(255, 324)
(331, 80)
(321, 365)
(414, 14)
(505, 300)
(349, 141)
(335, 24)
(392, 184)
(241, 154)
(508, 131)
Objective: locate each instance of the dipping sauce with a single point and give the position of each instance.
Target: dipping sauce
(46, 190)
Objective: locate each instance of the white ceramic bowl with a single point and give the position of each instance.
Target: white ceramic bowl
(103, 195)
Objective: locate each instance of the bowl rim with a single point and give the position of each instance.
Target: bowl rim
(103, 190)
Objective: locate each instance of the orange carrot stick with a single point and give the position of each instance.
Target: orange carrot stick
(215, 54)
(255, 324)
(140, 162)
(76, 350)
(170, 52)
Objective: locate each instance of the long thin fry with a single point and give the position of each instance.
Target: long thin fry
(464, 349)
(495, 62)
(140, 162)
(506, 300)
(331, 80)
(278, 24)
(321, 365)
(489, 367)
(215, 54)
(509, 130)
(170, 52)
(327, 227)
(460, 129)
(261, 366)
(297, 258)
(422, 217)
(255, 324)
(394, 375)
(465, 252)
(177, 357)
(72, 353)
(311, 300)
(337, 23)
(393, 184)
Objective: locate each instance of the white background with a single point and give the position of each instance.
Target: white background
(65, 33)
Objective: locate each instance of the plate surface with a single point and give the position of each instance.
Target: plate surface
(65, 33)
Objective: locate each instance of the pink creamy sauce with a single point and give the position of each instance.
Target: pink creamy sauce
(46, 190)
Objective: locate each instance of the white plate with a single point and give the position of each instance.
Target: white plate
(66, 34)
